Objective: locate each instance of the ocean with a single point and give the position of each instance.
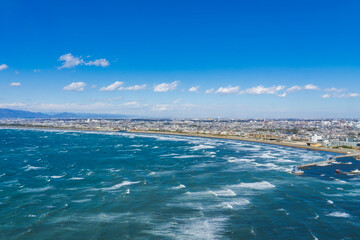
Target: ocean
(58, 184)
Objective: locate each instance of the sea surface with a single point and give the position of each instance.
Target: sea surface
(88, 185)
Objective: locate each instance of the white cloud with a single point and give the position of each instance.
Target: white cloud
(334, 90)
(294, 89)
(177, 101)
(209, 91)
(3, 67)
(228, 90)
(311, 87)
(194, 89)
(12, 105)
(263, 90)
(99, 62)
(282, 95)
(15, 84)
(348, 95)
(131, 104)
(70, 61)
(36, 70)
(164, 87)
(161, 107)
(134, 88)
(344, 95)
(112, 86)
(75, 86)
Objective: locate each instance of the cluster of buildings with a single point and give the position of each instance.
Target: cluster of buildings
(330, 133)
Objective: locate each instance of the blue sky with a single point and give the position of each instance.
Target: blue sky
(231, 59)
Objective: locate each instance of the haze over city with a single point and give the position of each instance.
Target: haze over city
(191, 59)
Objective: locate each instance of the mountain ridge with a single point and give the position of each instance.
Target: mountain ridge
(11, 113)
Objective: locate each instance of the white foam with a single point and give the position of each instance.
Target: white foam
(120, 185)
(256, 185)
(285, 161)
(114, 170)
(271, 166)
(179, 187)
(223, 193)
(228, 206)
(330, 202)
(201, 147)
(76, 178)
(283, 210)
(236, 203)
(57, 176)
(191, 228)
(81, 200)
(29, 168)
(339, 214)
(315, 238)
(235, 160)
(187, 156)
(268, 156)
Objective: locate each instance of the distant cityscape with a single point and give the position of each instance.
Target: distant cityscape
(343, 134)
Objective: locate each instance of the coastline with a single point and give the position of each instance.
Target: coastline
(286, 144)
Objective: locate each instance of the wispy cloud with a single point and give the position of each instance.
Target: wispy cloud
(311, 87)
(282, 95)
(161, 107)
(227, 90)
(75, 86)
(194, 89)
(263, 90)
(210, 91)
(132, 104)
(15, 84)
(294, 89)
(36, 70)
(112, 86)
(177, 101)
(3, 67)
(334, 89)
(343, 95)
(99, 62)
(12, 105)
(134, 87)
(70, 61)
(164, 87)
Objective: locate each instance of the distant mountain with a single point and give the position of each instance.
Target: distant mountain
(10, 113)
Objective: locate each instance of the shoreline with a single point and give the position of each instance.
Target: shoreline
(286, 144)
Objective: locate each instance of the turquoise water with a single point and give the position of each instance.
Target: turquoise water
(84, 185)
